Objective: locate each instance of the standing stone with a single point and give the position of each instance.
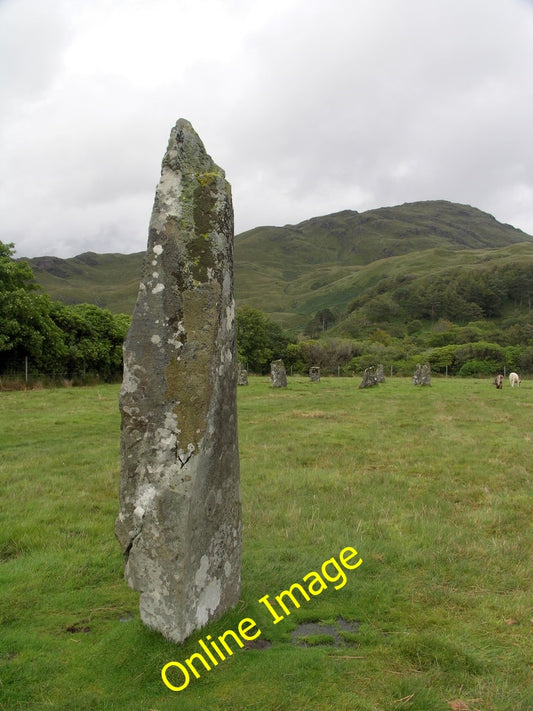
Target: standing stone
(278, 374)
(179, 523)
(380, 375)
(369, 378)
(422, 374)
(242, 377)
(314, 374)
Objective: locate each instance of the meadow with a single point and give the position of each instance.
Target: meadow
(431, 486)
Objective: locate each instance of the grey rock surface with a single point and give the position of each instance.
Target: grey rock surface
(242, 376)
(179, 522)
(278, 374)
(314, 374)
(422, 375)
(380, 375)
(369, 378)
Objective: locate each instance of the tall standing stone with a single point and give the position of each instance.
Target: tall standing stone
(179, 523)
(278, 374)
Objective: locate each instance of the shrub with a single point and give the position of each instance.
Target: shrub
(477, 367)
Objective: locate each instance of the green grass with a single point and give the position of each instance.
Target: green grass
(432, 486)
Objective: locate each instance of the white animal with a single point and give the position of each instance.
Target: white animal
(514, 379)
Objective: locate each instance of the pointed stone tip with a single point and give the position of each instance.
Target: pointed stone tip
(184, 123)
(184, 126)
(185, 149)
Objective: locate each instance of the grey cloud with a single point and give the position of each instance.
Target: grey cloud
(313, 107)
(33, 37)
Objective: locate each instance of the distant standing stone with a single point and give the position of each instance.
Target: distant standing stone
(278, 374)
(422, 374)
(242, 378)
(179, 523)
(314, 374)
(369, 378)
(380, 375)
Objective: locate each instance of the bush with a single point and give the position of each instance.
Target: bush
(473, 368)
(406, 366)
(442, 358)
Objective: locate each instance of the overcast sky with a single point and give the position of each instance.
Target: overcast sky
(310, 107)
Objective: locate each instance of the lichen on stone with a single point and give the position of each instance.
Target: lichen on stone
(178, 403)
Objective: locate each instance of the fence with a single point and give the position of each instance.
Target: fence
(27, 379)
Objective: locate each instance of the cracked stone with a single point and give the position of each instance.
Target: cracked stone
(178, 403)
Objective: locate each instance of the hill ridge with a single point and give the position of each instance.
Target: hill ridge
(289, 271)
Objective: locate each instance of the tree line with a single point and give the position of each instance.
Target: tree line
(45, 337)
(444, 322)
(481, 348)
(459, 295)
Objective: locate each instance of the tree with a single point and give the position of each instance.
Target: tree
(52, 338)
(382, 308)
(442, 358)
(26, 327)
(320, 323)
(259, 340)
(13, 274)
(329, 354)
(313, 353)
(278, 340)
(252, 340)
(28, 331)
(94, 337)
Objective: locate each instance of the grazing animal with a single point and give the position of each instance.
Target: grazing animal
(514, 379)
(498, 381)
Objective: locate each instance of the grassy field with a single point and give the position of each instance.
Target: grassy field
(432, 487)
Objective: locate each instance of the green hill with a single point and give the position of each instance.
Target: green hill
(292, 272)
(108, 280)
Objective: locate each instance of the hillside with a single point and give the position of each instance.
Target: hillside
(294, 271)
(108, 280)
